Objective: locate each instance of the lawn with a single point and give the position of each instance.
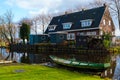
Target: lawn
(38, 72)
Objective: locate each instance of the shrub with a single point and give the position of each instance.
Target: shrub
(106, 43)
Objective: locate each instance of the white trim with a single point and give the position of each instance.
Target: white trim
(39, 34)
(109, 23)
(68, 23)
(54, 27)
(104, 21)
(71, 36)
(91, 33)
(65, 31)
(86, 20)
(57, 33)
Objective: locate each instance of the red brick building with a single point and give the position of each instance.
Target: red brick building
(91, 22)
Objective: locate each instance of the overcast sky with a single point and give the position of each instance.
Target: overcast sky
(29, 8)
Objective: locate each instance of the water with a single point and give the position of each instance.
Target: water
(17, 57)
(117, 69)
(5, 53)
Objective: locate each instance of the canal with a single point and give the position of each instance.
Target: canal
(5, 53)
(17, 58)
(117, 69)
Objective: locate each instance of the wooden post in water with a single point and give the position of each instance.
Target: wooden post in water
(105, 72)
(110, 71)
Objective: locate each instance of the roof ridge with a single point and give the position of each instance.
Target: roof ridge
(75, 17)
(80, 11)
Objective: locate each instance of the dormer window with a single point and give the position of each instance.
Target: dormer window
(52, 27)
(86, 23)
(67, 25)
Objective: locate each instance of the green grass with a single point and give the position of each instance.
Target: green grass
(38, 72)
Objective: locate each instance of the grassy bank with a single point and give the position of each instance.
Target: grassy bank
(38, 72)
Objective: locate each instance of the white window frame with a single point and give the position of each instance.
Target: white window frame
(86, 23)
(80, 33)
(91, 33)
(71, 36)
(52, 27)
(109, 23)
(67, 25)
(113, 32)
(104, 21)
(101, 32)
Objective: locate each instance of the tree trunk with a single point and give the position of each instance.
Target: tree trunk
(7, 57)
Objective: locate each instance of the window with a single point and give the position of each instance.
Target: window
(86, 23)
(109, 23)
(52, 27)
(61, 36)
(80, 33)
(71, 36)
(67, 25)
(101, 32)
(104, 21)
(113, 33)
(91, 33)
(43, 38)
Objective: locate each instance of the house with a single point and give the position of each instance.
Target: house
(91, 22)
(117, 40)
(58, 37)
(39, 38)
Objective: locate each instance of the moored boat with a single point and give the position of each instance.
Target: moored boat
(79, 64)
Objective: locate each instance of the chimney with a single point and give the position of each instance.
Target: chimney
(105, 4)
(83, 9)
(66, 12)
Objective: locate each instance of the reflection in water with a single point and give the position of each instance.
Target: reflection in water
(5, 53)
(117, 69)
(17, 57)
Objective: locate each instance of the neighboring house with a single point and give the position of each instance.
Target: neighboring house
(39, 38)
(91, 22)
(117, 40)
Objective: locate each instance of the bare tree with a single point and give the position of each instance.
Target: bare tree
(115, 8)
(97, 3)
(79, 7)
(4, 33)
(25, 20)
(41, 22)
(35, 23)
(8, 29)
(44, 21)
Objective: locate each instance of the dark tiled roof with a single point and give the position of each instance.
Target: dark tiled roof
(95, 14)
